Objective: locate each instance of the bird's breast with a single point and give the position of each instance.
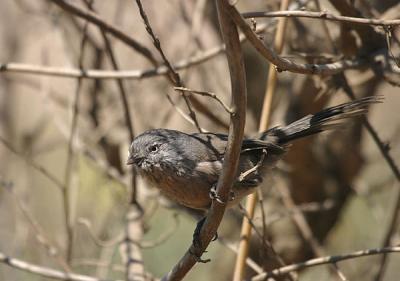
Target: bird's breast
(189, 190)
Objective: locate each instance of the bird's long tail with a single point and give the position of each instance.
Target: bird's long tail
(326, 119)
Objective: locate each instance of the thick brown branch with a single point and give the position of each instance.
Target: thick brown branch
(231, 158)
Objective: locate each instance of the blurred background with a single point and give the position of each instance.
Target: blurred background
(66, 199)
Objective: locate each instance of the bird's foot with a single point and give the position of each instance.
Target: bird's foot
(198, 257)
(214, 196)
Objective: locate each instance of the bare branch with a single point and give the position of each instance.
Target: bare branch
(245, 233)
(66, 192)
(104, 244)
(121, 74)
(325, 260)
(45, 271)
(283, 64)
(384, 149)
(206, 94)
(174, 76)
(32, 163)
(231, 158)
(304, 227)
(51, 246)
(324, 15)
(233, 247)
(116, 32)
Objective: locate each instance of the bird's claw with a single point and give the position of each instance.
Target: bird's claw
(215, 237)
(198, 257)
(214, 196)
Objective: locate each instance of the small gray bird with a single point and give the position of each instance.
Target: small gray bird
(186, 167)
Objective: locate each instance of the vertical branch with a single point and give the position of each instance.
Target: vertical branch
(133, 234)
(231, 158)
(326, 29)
(264, 122)
(133, 220)
(70, 158)
(172, 74)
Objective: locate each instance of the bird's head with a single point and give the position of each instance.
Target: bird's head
(154, 149)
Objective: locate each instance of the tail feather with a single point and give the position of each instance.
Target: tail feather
(326, 119)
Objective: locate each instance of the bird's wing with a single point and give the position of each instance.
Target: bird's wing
(255, 144)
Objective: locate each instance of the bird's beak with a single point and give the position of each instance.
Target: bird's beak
(134, 159)
(131, 160)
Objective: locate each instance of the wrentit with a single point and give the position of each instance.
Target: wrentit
(186, 167)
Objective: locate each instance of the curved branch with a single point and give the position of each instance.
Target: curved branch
(231, 158)
(283, 64)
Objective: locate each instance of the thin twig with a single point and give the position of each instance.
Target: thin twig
(33, 164)
(98, 21)
(125, 102)
(45, 271)
(101, 243)
(233, 247)
(389, 35)
(269, 249)
(326, 29)
(133, 233)
(206, 94)
(163, 237)
(116, 32)
(231, 158)
(121, 87)
(324, 15)
(136, 74)
(384, 149)
(41, 236)
(325, 260)
(311, 207)
(70, 156)
(305, 229)
(193, 60)
(175, 78)
(97, 263)
(243, 175)
(121, 236)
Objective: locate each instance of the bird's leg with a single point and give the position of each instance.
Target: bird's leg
(243, 175)
(196, 233)
(214, 196)
(197, 242)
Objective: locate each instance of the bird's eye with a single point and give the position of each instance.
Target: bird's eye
(153, 148)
